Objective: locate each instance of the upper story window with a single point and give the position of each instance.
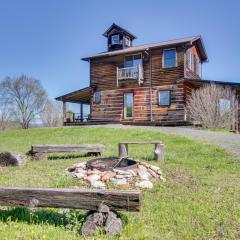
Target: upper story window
(133, 61)
(127, 41)
(193, 63)
(169, 58)
(164, 98)
(97, 97)
(115, 39)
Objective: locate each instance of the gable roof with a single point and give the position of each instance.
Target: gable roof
(194, 39)
(120, 29)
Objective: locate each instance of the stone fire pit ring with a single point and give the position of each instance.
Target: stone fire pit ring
(125, 172)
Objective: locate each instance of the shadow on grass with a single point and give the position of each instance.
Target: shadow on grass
(66, 218)
(149, 158)
(70, 156)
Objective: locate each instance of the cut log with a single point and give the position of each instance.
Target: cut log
(123, 150)
(159, 151)
(95, 148)
(70, 198)
(12, 158)
(40, 151)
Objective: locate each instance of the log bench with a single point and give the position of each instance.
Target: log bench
(87, 199)
(40, 151)
(100, 203)
(158, 150)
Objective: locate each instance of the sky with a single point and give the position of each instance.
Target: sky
(46, 39)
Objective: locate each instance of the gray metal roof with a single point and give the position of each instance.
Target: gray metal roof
(208, 81)
(192, 39)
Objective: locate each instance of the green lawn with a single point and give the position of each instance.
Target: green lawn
(199, 200)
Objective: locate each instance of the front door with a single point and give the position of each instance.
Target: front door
(128, 105)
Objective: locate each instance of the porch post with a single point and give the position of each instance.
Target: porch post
(64, 111)
(81, 112)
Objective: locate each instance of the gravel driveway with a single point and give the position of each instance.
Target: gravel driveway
(228, 141)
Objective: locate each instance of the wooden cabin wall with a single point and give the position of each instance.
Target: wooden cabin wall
(188, 72)
(104, 76)
(111, 107)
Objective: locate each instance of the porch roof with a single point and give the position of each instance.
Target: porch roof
(80, 96)
(200, 82)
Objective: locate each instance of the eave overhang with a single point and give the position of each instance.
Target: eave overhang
(80, 96)
(195, 40)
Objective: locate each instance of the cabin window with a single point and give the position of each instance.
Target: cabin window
(193, 63)
(164, 98)
(127, 41)
(97, 97)
(133, 61)
(169, 58)
(224, 105)
(115, 39)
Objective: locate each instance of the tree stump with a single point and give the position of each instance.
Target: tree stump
(159, 152)
(12, 158)
(123, 150)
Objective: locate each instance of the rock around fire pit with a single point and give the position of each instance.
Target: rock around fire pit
(122, 172)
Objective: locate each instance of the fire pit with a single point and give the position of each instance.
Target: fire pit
(111, 163)
(115, 171)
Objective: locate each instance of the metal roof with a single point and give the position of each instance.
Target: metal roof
(208, 81)
(191, 40)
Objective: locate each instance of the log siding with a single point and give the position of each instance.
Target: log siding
(111, 107)
(103, 76)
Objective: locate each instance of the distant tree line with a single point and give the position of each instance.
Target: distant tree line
(23, 100)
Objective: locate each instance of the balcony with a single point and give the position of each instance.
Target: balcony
(130, 73)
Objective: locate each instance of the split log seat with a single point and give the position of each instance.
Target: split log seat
(158, 150)
(86, 199)
(40, 151)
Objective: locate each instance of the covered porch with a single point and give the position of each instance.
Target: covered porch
(81, 97)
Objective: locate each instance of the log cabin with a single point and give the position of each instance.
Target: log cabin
(147, 84)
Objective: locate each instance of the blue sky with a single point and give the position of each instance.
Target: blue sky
(46, 38)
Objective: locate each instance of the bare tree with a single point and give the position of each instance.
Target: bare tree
(213, 106)
(25, 96)
(52, 114)
(4, 117)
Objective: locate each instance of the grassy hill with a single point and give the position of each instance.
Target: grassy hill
(200, 199)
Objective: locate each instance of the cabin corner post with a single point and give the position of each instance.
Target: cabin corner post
(64, 111)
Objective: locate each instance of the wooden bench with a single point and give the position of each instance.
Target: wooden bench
(39, 151)
(101, 203)
(87, 199)
(158, 151)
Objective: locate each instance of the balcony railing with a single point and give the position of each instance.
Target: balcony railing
(130, 73)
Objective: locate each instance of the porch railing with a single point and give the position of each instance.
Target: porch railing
(130, 73)
(76, 117)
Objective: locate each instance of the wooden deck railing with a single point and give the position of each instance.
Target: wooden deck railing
(76, 117)
(130, 73)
